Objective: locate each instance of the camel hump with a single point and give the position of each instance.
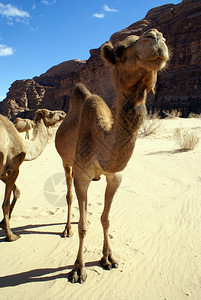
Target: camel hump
(80, 94)
(81, 91)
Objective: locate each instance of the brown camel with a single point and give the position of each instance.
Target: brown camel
(24, 125)
(94, 140)
(13, 151)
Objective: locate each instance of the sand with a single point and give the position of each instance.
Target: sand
(155, 228)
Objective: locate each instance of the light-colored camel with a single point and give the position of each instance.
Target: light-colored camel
(13, 151)
(94, 140)
(24, 125)
(54, 116)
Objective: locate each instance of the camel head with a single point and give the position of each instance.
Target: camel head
(137, 59)
(49, 117)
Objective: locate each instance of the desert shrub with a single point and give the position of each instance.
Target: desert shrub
(151, 124)
(194, 115)
(172, 114)
(185, 140)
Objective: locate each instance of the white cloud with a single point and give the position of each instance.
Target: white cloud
(5, 50)
(101, 15)
(47, 2)
(34, 29)
(2, 98)
(9, 11)
(106, 8)
(10, 23)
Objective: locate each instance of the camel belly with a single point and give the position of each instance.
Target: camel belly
(66, 148)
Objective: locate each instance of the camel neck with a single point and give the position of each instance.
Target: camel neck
(36, 146)
(130, 110)
(128, 118)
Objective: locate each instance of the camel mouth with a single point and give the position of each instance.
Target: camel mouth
(160, 59)
(154, 64)
(157, 64)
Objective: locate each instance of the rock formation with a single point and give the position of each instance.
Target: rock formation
(179, 87)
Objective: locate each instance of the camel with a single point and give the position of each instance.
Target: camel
(95, 140)
(54, 116)
(24, 125)
(13, 151)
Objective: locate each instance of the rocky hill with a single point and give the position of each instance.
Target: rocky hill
(179, 87)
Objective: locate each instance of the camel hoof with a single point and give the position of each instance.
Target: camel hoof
(67, 233)
(77, 276)
(13, 237)
(108, 264)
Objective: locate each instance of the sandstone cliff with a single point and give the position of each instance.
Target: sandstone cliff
(179, 87)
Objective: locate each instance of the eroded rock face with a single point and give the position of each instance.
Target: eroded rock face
(178, 87)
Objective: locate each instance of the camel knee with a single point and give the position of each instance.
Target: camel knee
(105, 222)
(82, 232)
(83, 228)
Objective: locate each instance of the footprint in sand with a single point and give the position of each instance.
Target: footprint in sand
(26, 217)
(34, 208)
(47, 213)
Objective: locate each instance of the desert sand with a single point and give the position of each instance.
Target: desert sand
(155, 227)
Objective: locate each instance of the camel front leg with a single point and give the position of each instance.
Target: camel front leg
(7, 209)
(113, 181)
(16, 195)
(69, 198)
(78, 273)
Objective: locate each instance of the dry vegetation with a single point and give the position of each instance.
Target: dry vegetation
(151, 124)
(185, 140)
(194, 115)
(172, 114)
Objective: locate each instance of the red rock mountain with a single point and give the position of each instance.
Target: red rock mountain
(178, 87)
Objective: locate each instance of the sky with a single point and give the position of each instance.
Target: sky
(36, 35)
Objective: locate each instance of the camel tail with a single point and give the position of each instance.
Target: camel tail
(79, 96)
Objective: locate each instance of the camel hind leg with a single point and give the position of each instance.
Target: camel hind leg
(113, 181)
(69, 198)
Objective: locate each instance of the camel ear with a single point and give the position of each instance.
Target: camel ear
(38, 115)
(107, 51)
(121, 53)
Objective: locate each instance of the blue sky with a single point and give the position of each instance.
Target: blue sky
(38, 34)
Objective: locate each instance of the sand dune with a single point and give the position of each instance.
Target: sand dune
(155, 227)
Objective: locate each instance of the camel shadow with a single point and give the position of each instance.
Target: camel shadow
(168, 152)
(28, 229)
(39, 275)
